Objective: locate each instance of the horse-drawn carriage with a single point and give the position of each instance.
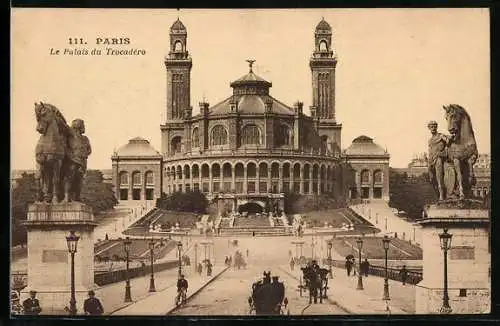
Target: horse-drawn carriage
(268, 298)
(239, 261)
(315, 279)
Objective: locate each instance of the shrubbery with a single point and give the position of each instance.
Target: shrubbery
(193, 201)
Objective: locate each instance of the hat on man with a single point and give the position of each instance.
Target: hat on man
(275, 277)
(32, 292)
(91, 292)
(432, 123)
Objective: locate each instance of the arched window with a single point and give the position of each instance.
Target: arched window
(176, 144)
(365, 176)
(219, 135)
(296, 171)
(306, 171)
(323, 46)
(136, 178)
(187, 172)
(263, 170)
(195, 139)
(238, 170)
(178, 46)
(149, 176)
(250, 135)
(275, 170)
(196, 171)
(284, 136)
(215, 170)
(251, 170)
(286, 170)
(123, 178)
(377, 176)
(227, 170)
(204, 171)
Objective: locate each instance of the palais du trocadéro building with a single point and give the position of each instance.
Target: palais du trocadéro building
(250, 148)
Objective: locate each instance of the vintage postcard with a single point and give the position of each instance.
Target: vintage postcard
(250, 162)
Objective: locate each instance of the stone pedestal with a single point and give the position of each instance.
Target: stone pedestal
(49, 262)
(469, 261)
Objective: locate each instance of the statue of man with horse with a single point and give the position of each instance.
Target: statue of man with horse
(61, 154)
(452, 157)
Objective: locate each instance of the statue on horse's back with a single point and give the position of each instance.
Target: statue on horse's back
(61, 154)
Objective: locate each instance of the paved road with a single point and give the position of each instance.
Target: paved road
(228, 295)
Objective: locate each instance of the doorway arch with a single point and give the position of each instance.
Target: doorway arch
(251, 208)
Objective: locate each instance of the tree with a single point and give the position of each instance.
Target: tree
(95, 193)
(410, 194)
(192, 201)
(23, 195)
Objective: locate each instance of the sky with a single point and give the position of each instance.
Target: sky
(396, 69)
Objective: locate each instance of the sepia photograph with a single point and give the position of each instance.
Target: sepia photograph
(246, 162)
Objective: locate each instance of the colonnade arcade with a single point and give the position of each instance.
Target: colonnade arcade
(141, 187)
(251, 177)
(369, 185)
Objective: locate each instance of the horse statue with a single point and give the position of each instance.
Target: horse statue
(61, 153)
(50, 151)
(462, 149)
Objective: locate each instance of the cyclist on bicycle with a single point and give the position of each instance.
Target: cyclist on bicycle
(182, 286)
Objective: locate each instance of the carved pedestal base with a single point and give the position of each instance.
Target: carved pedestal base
(49, 261)
(469, 258)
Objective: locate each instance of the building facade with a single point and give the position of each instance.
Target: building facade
(250, 147)
(371, 165)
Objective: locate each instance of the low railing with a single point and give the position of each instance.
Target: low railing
(102, 279)
(413, 277)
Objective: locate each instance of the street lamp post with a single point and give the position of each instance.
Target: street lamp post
(126, 244)
(386, 241)
(179, 248)
(386, 223)
(359, 242)
(152, 287)
(445, 239)
(72, 241)
(196, 254)
(330, 245)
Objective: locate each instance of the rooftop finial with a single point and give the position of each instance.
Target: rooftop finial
(250, 64)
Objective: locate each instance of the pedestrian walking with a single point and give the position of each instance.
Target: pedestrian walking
(248, 253)
(31, 306)
(348, 266)
(403, 274)
(365, 267)
(200, 268)
(92, 306)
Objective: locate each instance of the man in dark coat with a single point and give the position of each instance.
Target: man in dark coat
(279, 292)
(348, 266)
(31, 306)
(365, 266)
(403, 273)
(92, 306)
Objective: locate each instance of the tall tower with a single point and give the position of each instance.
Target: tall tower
(322, 64)
(178, 65)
